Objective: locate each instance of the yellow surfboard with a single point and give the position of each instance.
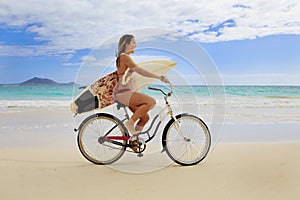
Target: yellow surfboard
(99, 94)
(158, 67)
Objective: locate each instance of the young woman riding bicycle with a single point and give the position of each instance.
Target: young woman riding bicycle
(103, 138)
(125, 91)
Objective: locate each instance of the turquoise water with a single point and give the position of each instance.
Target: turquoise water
(264, 91)
(36, 92)
(237, 91)
(66, 92)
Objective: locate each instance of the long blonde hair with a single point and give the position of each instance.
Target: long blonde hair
(125, 39)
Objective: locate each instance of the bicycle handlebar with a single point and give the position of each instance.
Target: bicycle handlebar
(166, 94)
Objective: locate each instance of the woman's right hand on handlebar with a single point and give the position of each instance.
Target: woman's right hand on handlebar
(164, 79)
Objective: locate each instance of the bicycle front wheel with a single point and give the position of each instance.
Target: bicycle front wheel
(187, 141)
(91, 139)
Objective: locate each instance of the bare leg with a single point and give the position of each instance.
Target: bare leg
(142, 121)
(143, 103)
(139, 104)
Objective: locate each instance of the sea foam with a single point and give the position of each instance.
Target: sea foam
(21, 105)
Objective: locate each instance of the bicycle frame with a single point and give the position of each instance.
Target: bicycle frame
(162, 114)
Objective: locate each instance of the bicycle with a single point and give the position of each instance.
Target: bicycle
(103, 139)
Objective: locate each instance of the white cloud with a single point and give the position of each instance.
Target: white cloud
(92, 61)
(69, 25)
(6, 50)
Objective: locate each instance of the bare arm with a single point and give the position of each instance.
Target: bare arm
(132, 65)
(145, 73)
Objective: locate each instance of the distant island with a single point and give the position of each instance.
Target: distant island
(39, 82)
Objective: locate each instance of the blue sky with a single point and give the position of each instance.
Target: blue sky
(255, 42)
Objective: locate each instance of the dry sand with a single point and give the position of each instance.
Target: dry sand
(39, 159)
(231, 171)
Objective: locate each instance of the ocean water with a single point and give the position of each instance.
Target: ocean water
(40, 96)
(36, 92)
(67, 92)
(215, 105)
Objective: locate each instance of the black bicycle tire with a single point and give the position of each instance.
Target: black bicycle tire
(79, 143)
(165, 133)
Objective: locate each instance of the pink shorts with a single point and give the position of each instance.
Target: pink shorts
(123, 96)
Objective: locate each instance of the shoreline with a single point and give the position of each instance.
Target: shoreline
(240, 124)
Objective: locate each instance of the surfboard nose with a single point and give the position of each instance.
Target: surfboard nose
(172, 64)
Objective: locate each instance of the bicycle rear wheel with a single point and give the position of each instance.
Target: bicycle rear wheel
(91, 139)
(192, 149)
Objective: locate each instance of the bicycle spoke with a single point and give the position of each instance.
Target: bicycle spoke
(192, 151)
(89, 144)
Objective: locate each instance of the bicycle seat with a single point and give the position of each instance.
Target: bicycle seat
(120, 105)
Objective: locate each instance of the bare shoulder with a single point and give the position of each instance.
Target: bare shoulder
(126, 59)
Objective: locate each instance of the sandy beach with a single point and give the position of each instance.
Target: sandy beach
(232, 171)
(39, 159)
